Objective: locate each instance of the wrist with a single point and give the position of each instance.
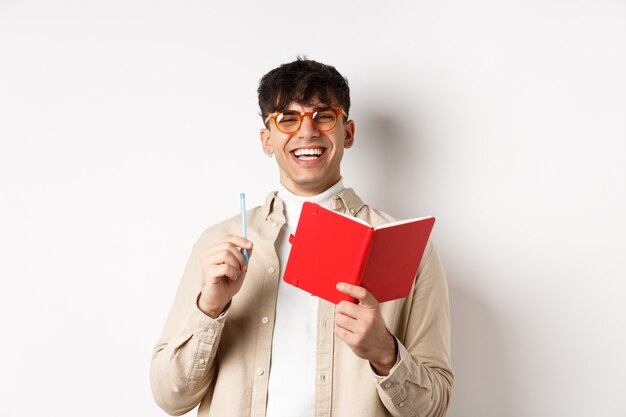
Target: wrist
(211, 310)
(383, 365)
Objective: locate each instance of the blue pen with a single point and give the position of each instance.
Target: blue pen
(244, 226)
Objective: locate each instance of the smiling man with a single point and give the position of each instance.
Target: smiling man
(241, 342)
(308, 145)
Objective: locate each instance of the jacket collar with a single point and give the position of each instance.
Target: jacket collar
(346, 202)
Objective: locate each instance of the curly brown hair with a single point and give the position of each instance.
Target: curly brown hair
(302, 81)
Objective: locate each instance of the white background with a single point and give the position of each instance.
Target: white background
(127, 127)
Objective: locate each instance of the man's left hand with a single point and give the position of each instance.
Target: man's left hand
(362, 328)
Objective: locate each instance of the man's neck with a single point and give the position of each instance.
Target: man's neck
(286, 193)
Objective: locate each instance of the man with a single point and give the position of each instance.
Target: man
(241, 342)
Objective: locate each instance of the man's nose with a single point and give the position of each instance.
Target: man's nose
(308, 128)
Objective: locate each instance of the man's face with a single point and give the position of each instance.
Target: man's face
(306, 174)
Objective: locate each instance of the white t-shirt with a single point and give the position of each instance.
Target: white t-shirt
(291, 390)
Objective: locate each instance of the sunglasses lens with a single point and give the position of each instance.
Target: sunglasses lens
(324, 120)
(288, 121)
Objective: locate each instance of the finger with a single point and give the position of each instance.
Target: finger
(236, 254)
(349, 309)
(249, 253)
(221, 253)
(222, 258)
(215, 253)
(347, 323)
(239, 241)
(216, 247)
(241, 245)
(223, 270)
(228, 253)
(347, 336)
(360, 293)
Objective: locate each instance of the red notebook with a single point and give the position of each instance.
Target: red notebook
(330, 247)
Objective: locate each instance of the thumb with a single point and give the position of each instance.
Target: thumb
(364, 296)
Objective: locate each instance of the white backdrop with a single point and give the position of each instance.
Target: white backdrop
(127, 127)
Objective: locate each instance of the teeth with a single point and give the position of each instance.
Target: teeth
(316, 151)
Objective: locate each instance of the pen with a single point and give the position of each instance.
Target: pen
(244, 226)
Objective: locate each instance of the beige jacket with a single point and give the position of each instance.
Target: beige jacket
(223, 365)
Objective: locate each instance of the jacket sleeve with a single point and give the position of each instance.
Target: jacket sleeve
(184, 359)
(420, 383)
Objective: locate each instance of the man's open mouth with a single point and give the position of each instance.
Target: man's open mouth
(308, 154)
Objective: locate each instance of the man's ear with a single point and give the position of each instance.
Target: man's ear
(349, 131)
(264, 135)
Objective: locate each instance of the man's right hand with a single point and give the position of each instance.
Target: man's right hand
(223, 273)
